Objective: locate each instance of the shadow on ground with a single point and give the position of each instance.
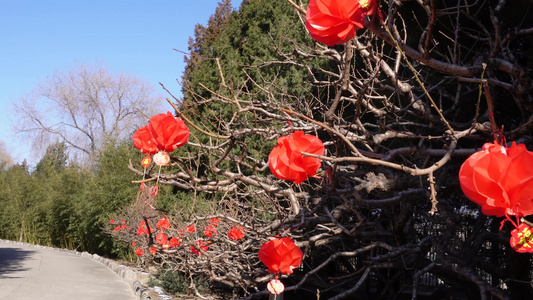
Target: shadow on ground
(11, 261)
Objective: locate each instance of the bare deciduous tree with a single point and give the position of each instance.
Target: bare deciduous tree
(86, 107)
(5, 158)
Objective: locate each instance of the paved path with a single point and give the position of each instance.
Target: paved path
(33, 273)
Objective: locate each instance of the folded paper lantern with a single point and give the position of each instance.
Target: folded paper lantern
(334, 22)
(500, 179)
(522, 239)
(287, 162)
(280, 255)
(144, 141)
(168, 131)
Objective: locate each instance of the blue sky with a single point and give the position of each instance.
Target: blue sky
(134, 37)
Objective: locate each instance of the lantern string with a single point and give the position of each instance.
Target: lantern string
(144, 176)
(507, 218)
(496, 131)
(289, 122)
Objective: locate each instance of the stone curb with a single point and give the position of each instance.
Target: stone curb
(136, 279)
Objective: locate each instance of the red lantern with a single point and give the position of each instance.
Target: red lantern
(287, 162)
(334, 22)
(144, 141)
(500, 179)
(280, 255)
(168, 131)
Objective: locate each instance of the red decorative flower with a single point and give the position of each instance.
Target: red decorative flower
(280, 255)
(214, 221)
(163, 224)
(134, 244)
(287, 162)
(236, 233)
(143, 229)
(202, 246)
(522, 239)
(210, 230)
(161, 238)
(139, 251)
(144, 141)
(500, 179)
(174, 242)
(168, 131)
(112, 221)
(153, 250)
(334, 22)
(190, 229)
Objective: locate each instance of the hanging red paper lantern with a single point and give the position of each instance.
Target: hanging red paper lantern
(287, 162)
(280, 255)
(168, 131)
(500, 179)
(144, 141)
(522, 239)
(334, 22)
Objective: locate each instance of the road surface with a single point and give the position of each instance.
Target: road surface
(34, 273)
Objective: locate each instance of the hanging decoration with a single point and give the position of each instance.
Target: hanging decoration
(287, 162)
(164, 133)
(522, 239)
(280, 255)
(161, 158)
(168, 131)
(275, 287)
(334, 22)
(145, 162)
(144, 141)
(500, 179)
